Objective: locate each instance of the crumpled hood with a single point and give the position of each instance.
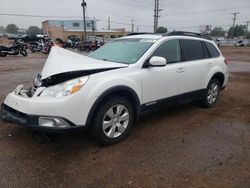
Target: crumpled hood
(63, 61)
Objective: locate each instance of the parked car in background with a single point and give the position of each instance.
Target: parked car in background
(242, 43)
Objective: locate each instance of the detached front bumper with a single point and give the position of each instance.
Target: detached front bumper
(10, 115)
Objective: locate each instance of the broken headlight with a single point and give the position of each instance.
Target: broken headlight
(65, 88)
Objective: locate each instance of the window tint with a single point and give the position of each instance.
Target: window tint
(192, 50)
(169, 50)
(205, 50)
(212, 50)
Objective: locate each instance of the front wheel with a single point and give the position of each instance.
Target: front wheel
(113, 121)
(212, 93)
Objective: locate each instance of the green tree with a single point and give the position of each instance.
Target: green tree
(217, 32)
(12, 28)
(238, 30)
(34, 30)
(2, 29)
(161, 29)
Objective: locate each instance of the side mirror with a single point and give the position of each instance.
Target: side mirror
(157, 61)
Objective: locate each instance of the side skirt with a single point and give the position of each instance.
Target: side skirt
(174, 100)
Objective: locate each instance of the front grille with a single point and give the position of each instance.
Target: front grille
(14, 112)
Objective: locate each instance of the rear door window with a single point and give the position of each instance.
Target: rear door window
(192, 50)
(212, 50)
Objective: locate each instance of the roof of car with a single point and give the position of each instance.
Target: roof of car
(174, 33)
(145, 36)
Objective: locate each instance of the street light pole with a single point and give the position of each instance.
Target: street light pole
(84, 22)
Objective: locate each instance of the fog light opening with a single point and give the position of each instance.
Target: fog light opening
(53, 122)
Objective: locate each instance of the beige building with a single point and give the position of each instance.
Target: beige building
(65, 28)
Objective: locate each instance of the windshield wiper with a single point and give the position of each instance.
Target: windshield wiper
(114, 61)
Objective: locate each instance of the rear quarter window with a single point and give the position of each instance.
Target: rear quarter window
(212, 50)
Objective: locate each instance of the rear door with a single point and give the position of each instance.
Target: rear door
(196, 64)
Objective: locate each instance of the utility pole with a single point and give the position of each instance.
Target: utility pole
(247, 22)
(234, 19)
(93, 27)
(156, 14)
(84, 22)
(132, 25)
(108, 23)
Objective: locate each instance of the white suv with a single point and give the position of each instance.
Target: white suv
(106, 91)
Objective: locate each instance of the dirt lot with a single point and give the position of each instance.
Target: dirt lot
(236, 53)
(183, 146)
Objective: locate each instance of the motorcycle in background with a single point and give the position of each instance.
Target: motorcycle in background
(47, 46)
(36, 46)
(18, 47)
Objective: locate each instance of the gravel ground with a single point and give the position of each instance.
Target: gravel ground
(182, 146)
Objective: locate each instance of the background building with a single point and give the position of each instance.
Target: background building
(65, 28)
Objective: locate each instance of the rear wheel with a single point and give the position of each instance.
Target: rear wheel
(113, 121)
(212, 93)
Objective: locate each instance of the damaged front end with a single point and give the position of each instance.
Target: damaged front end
(49, 103)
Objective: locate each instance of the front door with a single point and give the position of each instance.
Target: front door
(166, 81)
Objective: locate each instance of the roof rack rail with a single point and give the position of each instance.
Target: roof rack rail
(187, 33)
(130, 34)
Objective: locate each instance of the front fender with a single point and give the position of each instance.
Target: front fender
(99, 83)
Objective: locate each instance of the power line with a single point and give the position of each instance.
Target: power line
(204, 11)
(114, 22)
(37, 16)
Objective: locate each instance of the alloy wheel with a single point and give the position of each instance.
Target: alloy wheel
(213, 92)
(115, 121)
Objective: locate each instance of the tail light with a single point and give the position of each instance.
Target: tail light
(225, 61)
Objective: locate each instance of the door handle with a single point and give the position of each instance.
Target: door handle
(180, 70)
(209, 65)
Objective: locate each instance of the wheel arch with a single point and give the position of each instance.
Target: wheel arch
(217, 75)
(220, 77)
(124, 91)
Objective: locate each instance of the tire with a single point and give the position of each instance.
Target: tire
(32, 50)
(212, 93)
(3, 54)
(23, 52)
(116, 129)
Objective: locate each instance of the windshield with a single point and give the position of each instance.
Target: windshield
(126, 51)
